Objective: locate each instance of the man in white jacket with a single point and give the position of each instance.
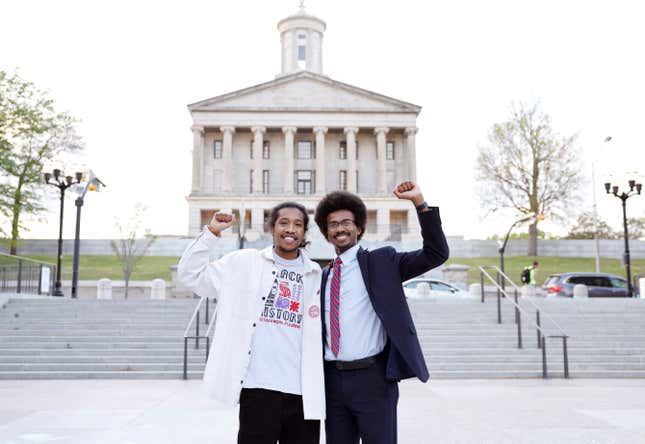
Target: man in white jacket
(266, 351)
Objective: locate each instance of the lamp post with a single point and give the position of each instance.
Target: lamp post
(613, 189)
(62, 183)
(595, 210)
(502, 248)
(93, 183)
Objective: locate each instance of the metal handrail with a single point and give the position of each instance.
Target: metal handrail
(541, 333)
(501, 273)
(195, 319)
(26, 282)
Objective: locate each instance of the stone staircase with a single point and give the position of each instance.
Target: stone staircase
(461, 339)
(50, 338)
(61, 339)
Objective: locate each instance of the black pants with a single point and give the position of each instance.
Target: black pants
(361, 404)
(267, 416)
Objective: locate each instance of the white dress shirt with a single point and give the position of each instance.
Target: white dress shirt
(361, 331)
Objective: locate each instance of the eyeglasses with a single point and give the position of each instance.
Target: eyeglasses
(345, 223)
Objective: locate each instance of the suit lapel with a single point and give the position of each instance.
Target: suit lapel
(363, 263)
(323, 287)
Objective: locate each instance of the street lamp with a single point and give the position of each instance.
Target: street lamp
(613, 189)
(530, 218)
(62, 183)
(93, 184)
(595, 210)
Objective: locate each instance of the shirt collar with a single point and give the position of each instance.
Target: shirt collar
(349, 255)
(267, 253)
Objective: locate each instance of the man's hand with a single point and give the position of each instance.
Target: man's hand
(220, 222)
(410, 191)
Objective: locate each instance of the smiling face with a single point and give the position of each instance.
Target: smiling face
(288, 232)
(342, 231)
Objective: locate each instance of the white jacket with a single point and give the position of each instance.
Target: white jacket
(235, 281)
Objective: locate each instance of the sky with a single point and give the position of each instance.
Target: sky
(128, 69)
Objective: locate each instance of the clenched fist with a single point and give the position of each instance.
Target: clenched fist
(220, 222)
(410, 191)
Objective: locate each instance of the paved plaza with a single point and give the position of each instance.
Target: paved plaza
(442, 411)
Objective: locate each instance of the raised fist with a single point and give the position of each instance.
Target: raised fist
(409, 190)
(221, 221)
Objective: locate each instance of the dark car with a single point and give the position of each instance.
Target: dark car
(598, 284)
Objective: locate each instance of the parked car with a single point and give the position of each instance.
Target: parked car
(598, 284)
(423, 288)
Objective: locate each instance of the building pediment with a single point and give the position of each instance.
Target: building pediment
(305, 92)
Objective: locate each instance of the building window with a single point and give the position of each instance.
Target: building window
(305, 150)
(356, 150)
(357, 188)
(304, 182)
(302, 50)
(342, 150)
(342, 180)
(251, 182)
(389, 150)
(251, 150)
(265, 181)
(266, 150)
(217, 149)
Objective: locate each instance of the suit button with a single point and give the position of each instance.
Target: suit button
(241, 382)
(263, 298)
(254, 324)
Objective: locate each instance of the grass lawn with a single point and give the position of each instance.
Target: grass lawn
(93, 267)
(548, 265)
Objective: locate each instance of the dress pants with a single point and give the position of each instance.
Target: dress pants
(361, 404)
(268, 416)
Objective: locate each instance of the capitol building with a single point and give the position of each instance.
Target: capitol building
(297, 137)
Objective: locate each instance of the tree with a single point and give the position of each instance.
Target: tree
(636, 227)
(529, 168)
(128, 249)
(31, 134)
(585, 228)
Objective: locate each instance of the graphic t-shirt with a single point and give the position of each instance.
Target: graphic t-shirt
(276, 348)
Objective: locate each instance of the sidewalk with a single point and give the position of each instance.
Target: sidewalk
(443, 411)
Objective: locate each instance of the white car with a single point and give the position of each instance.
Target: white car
(423, 288)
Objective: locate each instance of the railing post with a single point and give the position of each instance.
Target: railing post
(538, 329)
(566, 357)
(19, 283)
(544, 371)
(208, 347)
(481, 275)
(517, 310)
(40, 277)
(185, 358)
(519, 332)
(499, 308)
(207, 312)
(197, 331)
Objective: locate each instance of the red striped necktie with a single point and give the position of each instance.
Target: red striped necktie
(334, 312)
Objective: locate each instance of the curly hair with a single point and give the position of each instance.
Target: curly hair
(275, 211)
(341, 200)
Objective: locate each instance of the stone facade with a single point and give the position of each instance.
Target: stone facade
(298, 137)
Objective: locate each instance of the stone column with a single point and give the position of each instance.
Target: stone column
(320, 132)
(410, 145)
(382, 223)
(257, 219)
(380, 150)
(289, 132)
(227, 157)
(198, 157)
(350, 135)
(258, 140)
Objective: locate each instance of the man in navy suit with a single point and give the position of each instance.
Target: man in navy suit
(369, 338)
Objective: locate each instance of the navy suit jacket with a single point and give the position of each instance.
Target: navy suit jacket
(383, 271)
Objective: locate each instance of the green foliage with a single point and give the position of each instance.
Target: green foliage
(529, 168)
(32, 133)
(584, 228)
